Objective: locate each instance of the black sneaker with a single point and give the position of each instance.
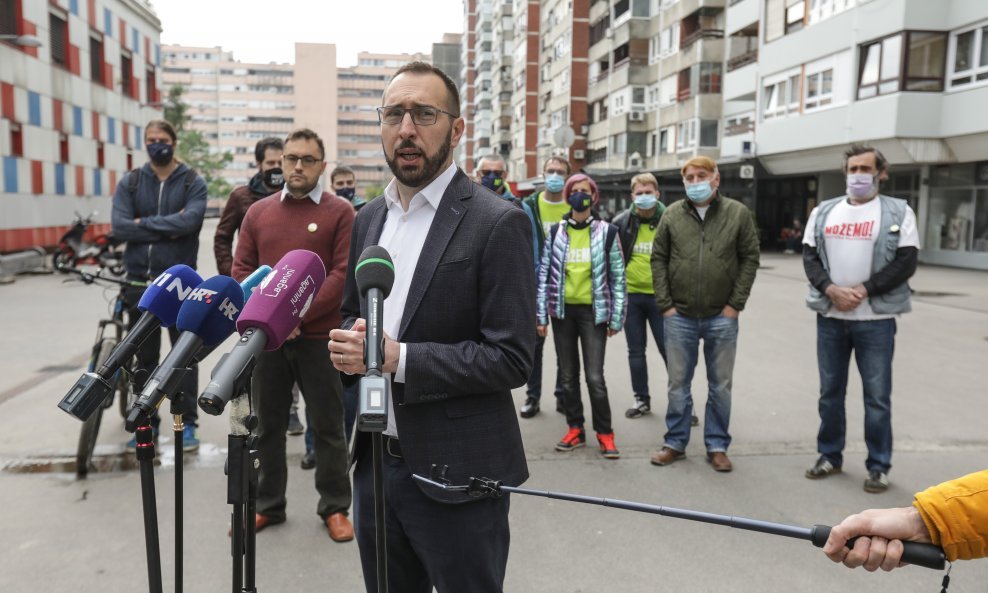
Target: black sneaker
(821, 469)
(641, 408)
(877, 482)
(694, 421)
(530, 408)
(308, 460)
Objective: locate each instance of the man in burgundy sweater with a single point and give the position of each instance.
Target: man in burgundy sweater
(302, 216)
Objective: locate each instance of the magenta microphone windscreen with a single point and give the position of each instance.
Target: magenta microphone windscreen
(282, 299)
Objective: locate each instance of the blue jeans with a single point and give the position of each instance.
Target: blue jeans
(574, 333)
(873, 343)
(643, 313)
(720, 342)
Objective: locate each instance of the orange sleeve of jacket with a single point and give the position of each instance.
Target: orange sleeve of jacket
(956, 514)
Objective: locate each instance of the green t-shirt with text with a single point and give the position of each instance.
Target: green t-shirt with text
(578, 283)
(639, 268)
(551, 212)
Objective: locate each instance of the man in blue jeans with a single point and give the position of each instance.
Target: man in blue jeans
(704, 261)
(860, 251)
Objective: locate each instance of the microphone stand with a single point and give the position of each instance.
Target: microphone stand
(373, 418)
(242, 469)
(169, 386)
(925, 555)
(145, 458)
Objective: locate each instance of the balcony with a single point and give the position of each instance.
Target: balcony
(699, 34)
(749, 57)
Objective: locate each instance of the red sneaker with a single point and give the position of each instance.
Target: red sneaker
(607, 447)
(575, 438)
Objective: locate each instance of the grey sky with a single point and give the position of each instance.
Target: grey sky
(266, 31)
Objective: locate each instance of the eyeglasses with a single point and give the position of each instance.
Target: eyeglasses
(307, 161)
(421, 116)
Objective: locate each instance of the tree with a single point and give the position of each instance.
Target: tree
(193, 148)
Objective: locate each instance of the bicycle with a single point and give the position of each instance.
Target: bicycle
(109, 333)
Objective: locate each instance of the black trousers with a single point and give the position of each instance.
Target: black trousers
(455, 548)
(148, 358)
(306, 362)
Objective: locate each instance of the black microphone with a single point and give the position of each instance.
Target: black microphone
(207, 317)
(375, 275)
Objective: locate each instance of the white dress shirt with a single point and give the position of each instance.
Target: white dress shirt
(315, 195)
(404, 236)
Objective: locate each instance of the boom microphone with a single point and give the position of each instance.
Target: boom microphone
(206, 318)
(276, 309)
(375, 275)
(159, 305)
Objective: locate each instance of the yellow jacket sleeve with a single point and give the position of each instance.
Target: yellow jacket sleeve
(956, 514)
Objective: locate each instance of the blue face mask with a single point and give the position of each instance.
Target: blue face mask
(161, 154)
(554, 182)
(646, 201)
(346, 193)
(699, 192)
(580, 201)
(493, 182)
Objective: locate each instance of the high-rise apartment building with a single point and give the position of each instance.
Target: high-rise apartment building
(72, 111)
(524, 131)
(447, 55)
(235, 104)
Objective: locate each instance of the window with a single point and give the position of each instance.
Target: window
(819, 89)
(638, 95)
(151, 86)
(780, 96)
(795, 11)
(926, 54)
(969, 56)
(96, 57)
(686, 134)
(709, 77)
(59, 37)
(821, 10)
(618, 144)
(708, 132)
(663, 140)
(598, 30)
(667, 90)
(669, 40)
(879, 68)
(8, 17)
(63, 148)
(126, 73)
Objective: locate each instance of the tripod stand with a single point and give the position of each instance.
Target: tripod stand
(242, 470)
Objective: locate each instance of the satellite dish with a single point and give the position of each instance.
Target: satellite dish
(564, 136)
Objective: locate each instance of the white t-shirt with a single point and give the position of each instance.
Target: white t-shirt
(850, 233)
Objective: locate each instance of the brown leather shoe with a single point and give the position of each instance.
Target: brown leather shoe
(665, 456)
(719, 461)
(260, 522)
(340, 528)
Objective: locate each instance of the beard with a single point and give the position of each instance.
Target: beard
(432, 163)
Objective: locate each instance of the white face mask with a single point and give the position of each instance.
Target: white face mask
(861, 185)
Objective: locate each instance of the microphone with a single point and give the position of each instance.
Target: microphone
(206, 318)
(248, 284)
(276, 309)
(375, 275)
(251, 282)
(159, 305)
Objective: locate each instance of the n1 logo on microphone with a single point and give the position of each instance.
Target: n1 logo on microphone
(228, 309)
(202, 295)
(172, 284)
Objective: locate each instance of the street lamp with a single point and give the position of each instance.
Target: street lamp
(22, 40)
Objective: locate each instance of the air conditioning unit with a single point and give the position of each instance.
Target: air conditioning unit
(636, 116)
(578, 154)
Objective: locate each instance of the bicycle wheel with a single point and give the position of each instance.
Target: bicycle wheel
(90, 428)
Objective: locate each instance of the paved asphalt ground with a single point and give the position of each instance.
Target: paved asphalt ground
(60, 534)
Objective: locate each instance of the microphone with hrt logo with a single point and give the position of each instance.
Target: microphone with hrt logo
(207, 317)
(375, 275)
(159, 306)
(269, 317)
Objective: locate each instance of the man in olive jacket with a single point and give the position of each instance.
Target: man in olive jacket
(703, 265)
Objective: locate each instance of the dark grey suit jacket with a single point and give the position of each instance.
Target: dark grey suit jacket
(469, 326)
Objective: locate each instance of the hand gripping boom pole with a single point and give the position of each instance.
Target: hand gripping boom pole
(926, 555)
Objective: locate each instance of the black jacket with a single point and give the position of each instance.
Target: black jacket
(628, 223)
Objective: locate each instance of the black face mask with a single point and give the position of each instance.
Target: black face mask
(160, 153)
(347, 193)
(274, 178)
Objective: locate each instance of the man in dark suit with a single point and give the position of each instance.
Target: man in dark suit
(461, 317)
